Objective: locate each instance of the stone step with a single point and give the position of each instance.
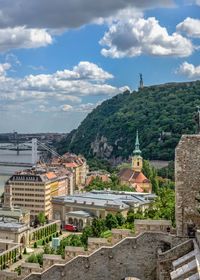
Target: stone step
(184, 271)
(193, 277)
(183, 260)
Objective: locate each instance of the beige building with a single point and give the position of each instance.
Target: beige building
(102, 175)
(33, 190)
(14, 231)
(79, 209)
(15, 214)
(77, 165)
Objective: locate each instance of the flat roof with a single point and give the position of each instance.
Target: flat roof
(105, 199)
(11, 225)
(13, 212)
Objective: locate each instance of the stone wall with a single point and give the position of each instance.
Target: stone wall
(50, 259)
(187, 181)
(131, 257)
(27, 268)
(118, 234)
(72, 252)
(165, 259)
(152, 225)
(8, 275)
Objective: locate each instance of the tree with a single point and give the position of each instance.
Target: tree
(120, 219)
(164, 206)
(36, 222)
(40, 258)
(111, 221)
(98, 226)
(47, 249)
(32, 259)
(151, 173)
(87, 231)
(41, 218)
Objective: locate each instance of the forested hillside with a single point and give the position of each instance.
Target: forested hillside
(161, 114)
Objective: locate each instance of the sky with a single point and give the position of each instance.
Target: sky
(60, 59)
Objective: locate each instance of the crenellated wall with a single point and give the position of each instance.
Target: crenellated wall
(131, 257)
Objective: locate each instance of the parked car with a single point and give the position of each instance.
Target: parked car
(70, 227)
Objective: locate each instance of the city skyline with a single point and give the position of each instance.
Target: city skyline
(59, 61)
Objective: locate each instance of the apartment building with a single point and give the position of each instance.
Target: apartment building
(33, 189)
(76, 164)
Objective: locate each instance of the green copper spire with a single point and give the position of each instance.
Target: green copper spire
(137, 145)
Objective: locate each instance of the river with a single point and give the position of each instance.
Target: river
(11, 156)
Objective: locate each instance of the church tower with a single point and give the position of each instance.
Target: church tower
(137, 160)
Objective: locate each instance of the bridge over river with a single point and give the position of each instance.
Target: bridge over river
(17, 164)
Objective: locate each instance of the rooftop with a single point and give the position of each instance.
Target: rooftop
(122, 200)
(4, 225)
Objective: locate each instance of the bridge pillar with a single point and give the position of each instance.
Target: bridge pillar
(34, 151)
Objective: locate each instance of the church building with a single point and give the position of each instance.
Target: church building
(133, 176)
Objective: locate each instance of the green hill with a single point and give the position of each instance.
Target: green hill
(161, 113)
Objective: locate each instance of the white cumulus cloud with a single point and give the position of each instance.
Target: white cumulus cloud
(21, 37)
(190, 26)
(61, 91)
(189, 70)
(133, 37)
(3, 68)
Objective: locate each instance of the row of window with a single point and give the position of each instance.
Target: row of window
(27, 194)
(26, 184)
(33, 200)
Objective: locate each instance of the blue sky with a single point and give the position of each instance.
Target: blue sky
(60, 59)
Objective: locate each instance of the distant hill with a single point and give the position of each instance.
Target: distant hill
(161, 113)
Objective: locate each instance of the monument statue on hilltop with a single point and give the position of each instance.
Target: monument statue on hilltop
(141, 81)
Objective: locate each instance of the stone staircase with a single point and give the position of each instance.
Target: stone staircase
(122, 260)
(187, 266)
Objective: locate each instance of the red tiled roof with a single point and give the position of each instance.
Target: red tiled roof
(70, 164)
(140, 178)
(125, 174)
(51, 175)
(138, 188)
